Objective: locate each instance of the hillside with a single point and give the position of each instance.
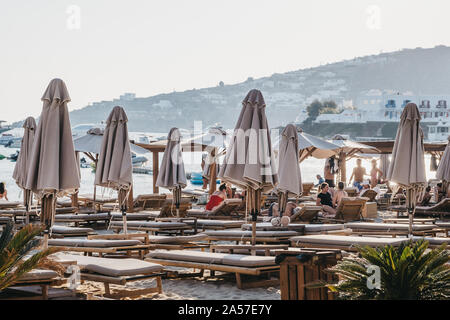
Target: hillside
(421, 71)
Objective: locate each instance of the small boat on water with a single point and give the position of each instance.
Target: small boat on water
(13, 157)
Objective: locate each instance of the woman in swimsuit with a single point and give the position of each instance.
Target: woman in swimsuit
(217, 198)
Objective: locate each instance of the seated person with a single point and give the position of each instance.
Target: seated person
(3, 191)
(365, 187)
(217, 197)
(325, 201)
(321, 180)
(339, 194)
(440, 192)
(426, 197)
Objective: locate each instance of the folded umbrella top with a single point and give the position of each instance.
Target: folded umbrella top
(53, 167)
(289, 175)
(23, 160)
(443, 171)
(171, 173)
(407, 166)
(114, 168)
(249, 161)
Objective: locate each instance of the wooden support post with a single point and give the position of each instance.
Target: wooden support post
(343, 167)
(130, 206)
(155, 170)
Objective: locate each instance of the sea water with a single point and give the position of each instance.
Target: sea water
(143, 183)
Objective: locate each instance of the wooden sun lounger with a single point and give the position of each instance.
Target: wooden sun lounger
(154, 227)
(306, 214)
(370, 194)
(267, 226)
(246, 236)
(433, 242)
(149, 201)
(439, 209)
(102, 247)
(392, 229)
(349, 209)
(117, 271)
(9, 204)
(227, 209)
(161, 242)
(64, 231)
(348, 243)
(37, 277)
(223, 262)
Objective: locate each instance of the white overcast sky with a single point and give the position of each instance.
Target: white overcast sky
(150, 47)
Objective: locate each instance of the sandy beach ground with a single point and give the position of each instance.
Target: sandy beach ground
(206, 288)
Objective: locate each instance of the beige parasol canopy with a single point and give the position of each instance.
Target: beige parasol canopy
(249, 161)
(53, 166)
(443, 171)
(289, 175)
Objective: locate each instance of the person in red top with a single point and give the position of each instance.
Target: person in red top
(217, 197)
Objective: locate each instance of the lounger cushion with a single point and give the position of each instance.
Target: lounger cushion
(94, 216)
(93, 243)
(241, 233)
(217, 223)
(192, 256)
(112, 267)
(134, 216)
(335, 240)
(9, 204)
(177, 239)
(267, 226)
(443, 224)
(387, 226)
(39, 274)
(313, 228)
(70, 230)
(433, 240)
(248, 260)
(150, 224)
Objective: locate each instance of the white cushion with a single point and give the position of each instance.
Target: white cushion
(336, 240)
(189, 255)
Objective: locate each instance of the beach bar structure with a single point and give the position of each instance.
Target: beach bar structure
(386, 146)
(160, 146)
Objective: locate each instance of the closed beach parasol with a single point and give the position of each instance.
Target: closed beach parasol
(348, 149)
(290, 179)
(249, 162)
(114, 168)
(171, 174)
(443, 171)
(407, 167)
(53, 168)
(23, 162)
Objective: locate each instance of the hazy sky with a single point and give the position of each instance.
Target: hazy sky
(103, 48)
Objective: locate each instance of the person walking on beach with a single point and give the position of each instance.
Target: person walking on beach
(3, 192)
(359, 172)
(329, 172)
(375, 174)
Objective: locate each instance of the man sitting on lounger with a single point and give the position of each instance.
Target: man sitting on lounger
(217, 197)
(325, 201)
